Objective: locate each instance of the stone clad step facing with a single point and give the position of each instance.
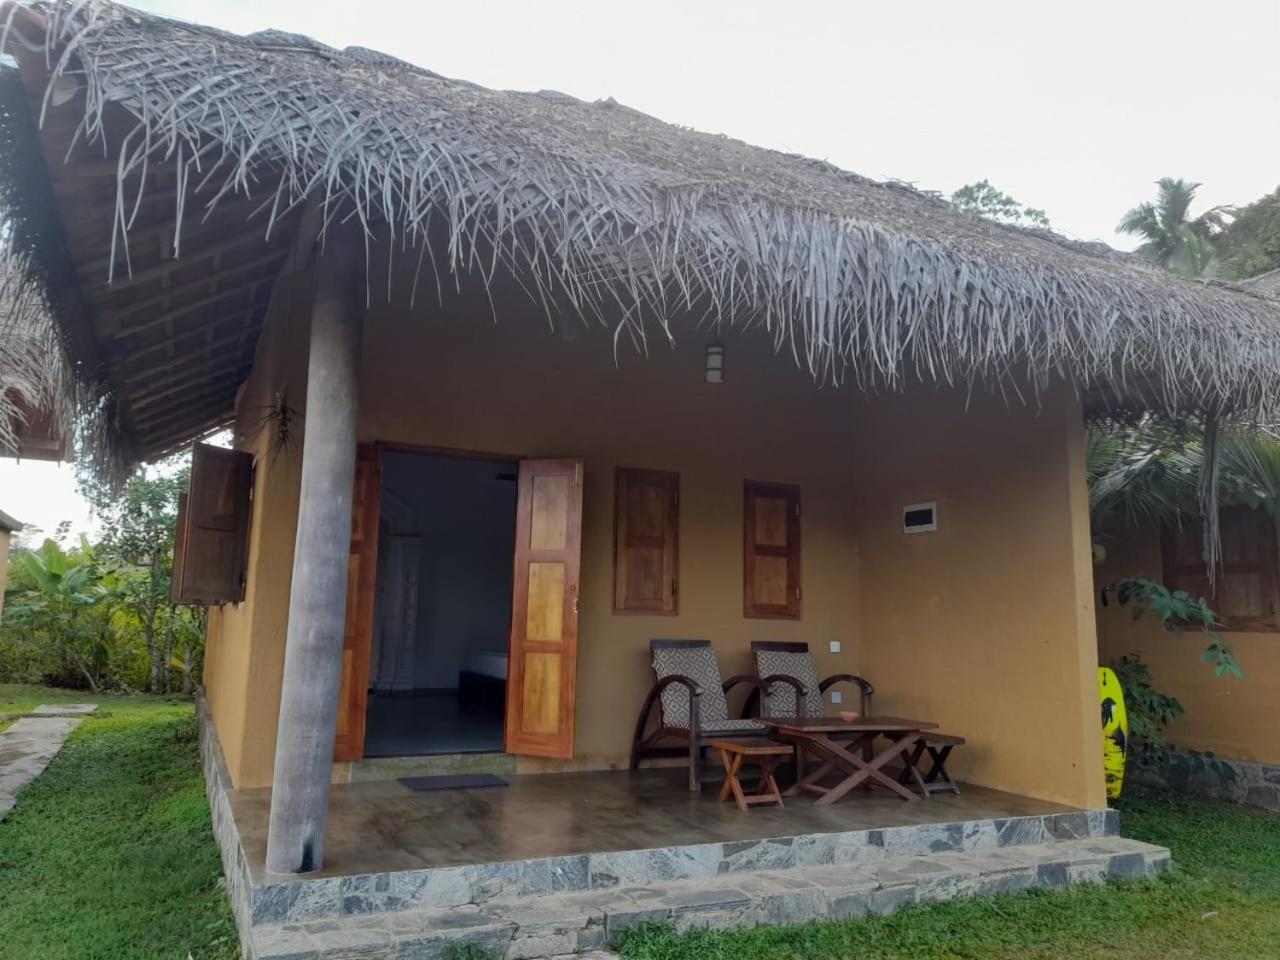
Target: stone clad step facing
(524, 927)
(477, 884)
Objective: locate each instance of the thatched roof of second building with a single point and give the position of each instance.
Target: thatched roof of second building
(590, 204)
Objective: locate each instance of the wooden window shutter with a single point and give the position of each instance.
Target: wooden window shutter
(179, 549)
(1248, 584)
(645, 541)
(211, 544)
(771, 551)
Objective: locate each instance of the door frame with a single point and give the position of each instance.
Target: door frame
(371, 584)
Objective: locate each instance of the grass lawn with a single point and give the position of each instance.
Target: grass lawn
(108, 853)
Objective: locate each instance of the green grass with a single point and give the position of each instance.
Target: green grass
(1222, 901)
(108, 853)
(19, 698)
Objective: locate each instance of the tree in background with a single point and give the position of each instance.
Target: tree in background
(1173, 239)
(1250, 244)
(62, 611)
(138, 526)
(981, 199)
(100, 615)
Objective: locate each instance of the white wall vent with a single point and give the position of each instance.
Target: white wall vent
(920, 518)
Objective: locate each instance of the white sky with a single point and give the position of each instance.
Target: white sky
(1072, 107)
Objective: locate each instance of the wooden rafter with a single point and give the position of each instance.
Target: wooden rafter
(128, 377)
(115, 320)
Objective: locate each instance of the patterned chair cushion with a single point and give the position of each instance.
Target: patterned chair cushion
(732, 726)
(699, 665)
(781, 698)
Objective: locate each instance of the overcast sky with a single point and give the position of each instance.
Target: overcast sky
(1075, 108)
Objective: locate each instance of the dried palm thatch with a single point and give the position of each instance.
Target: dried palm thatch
(35, 379)
(613, 213)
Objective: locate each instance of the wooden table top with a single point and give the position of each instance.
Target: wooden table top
(754, 747)
(818, 725)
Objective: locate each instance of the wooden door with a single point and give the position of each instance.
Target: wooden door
(543, 668)
(362, 573)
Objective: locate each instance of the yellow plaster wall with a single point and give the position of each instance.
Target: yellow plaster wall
(448, 378)
(986, 625)
(1228, 716)
(245, 643)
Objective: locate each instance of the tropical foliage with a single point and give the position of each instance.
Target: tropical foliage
(64, 612)
(1149, 710)
(98, 615)
(1171, 236)
(1178, 612)
(1150, 470)
(982, 199)
(1251, 241)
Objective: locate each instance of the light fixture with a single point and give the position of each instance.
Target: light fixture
(715, 363)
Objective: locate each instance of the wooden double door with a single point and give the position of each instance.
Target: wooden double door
(542, 668)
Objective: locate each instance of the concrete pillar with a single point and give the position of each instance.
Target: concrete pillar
(318, 595)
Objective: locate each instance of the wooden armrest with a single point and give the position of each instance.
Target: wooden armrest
(684, 681)
(861, 684)
(651, 700)
(741, 678)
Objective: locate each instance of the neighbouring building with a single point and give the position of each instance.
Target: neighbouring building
(8, 527)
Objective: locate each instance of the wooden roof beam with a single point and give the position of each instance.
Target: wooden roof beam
(127, 378)
(233, 367)
(180, 437)
(142, 417)
(115, 319)
(178, 263)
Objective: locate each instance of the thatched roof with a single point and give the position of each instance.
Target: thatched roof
(146, 124)
(1263, 284)
(37, 390)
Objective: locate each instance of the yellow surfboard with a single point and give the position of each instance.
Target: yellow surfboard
(1115, 730)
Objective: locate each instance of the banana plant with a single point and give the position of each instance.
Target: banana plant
(67, 606)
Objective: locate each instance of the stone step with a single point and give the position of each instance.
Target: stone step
(277, 901)
(523, 928)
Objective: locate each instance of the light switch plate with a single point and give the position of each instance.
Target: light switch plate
(835, 646)
(836, 696)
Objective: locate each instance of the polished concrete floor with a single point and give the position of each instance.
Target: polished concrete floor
(429, 722)
(383, 826)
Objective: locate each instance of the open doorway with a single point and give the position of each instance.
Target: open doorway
(438, 666)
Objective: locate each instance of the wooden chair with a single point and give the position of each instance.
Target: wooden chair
(776, 659)
(692, 707)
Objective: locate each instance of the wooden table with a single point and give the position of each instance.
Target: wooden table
(760, 750)
(847, 747)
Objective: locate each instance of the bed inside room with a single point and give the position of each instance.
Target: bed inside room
(441, 618)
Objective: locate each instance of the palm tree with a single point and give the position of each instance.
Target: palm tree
(1151, 471)
(1179, 244)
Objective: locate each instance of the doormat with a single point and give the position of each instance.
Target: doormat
(454, 781)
